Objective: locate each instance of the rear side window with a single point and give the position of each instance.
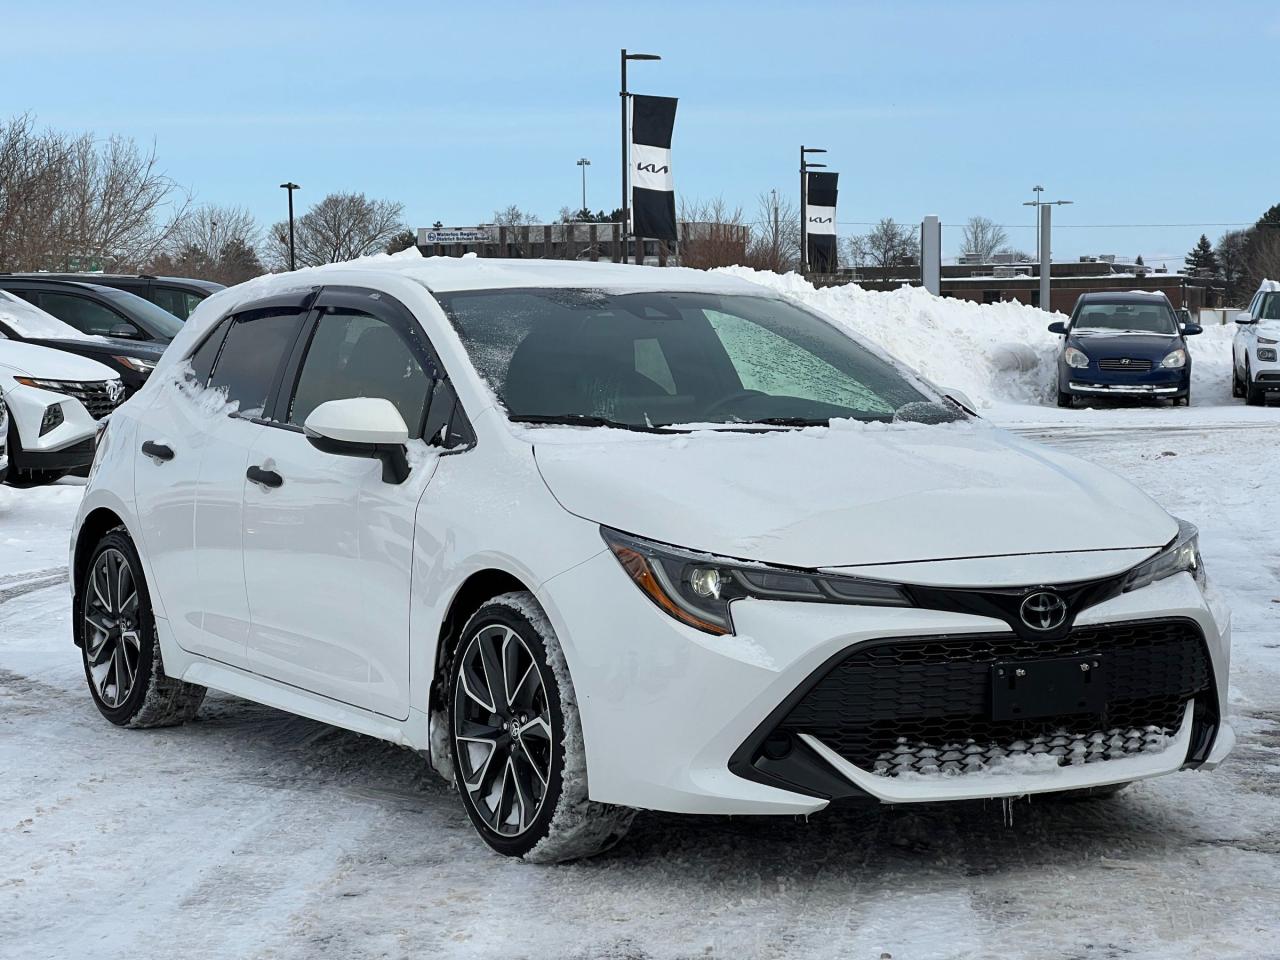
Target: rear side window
(251, 355)
(178, 302)
(355, 354)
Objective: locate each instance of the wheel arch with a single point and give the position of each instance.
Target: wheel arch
(96, 524)
(476, 590)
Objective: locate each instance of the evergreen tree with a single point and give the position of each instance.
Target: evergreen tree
(1140, 262)
(1202, 261)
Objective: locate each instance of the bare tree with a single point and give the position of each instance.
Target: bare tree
(890, 244)
(513, 216)
(856, 253)
(775, 236)
(64, 197)
(216, 243)
(340, 227)
(982, 238)
(712, 234)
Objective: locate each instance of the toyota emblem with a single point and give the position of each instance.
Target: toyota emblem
(1044, 611)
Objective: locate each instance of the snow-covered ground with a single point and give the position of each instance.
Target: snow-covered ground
(251, 833)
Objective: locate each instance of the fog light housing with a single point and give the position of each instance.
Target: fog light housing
(52, 419)
(1267, 354)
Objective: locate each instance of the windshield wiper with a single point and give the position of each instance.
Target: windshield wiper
(587, 420)
(783, 422)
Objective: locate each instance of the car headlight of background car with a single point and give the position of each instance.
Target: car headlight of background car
(1075, 358)
(697, 588)
(136, 364)
(1181, 556)
(1175, 360)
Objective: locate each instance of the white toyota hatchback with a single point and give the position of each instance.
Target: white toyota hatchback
(603, 538)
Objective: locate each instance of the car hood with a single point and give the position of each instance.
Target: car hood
(845, 496)
(46, 363)
(1269, 329)
(1102, 345)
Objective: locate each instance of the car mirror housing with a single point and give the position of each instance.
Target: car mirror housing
(1058, 327)
(1244, 318)
(1191, 329)
(362, 427)
(123, 331)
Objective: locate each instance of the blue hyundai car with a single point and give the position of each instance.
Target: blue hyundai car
(1124, 346)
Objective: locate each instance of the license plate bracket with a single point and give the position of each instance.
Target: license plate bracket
(1027, 689)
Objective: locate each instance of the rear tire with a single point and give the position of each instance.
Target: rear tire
(116, 630)
(516, 739)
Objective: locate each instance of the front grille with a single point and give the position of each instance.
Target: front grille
(1125, 365)
(94, 394)
(929, 697)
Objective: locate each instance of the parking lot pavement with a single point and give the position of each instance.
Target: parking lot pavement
(251, 833)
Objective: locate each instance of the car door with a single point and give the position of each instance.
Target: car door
(242, 382)
(328, 544)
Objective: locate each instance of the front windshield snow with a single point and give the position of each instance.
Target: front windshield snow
(652, 359)
(1128, 317)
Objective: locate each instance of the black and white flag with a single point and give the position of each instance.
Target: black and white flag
(653, 191)
(820, 221)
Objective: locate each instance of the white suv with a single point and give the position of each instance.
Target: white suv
(598, 538)
(1255, 371)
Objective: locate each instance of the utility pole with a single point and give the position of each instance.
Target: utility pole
(805, 167)
(626, 155)
(584, 163)
(291, 186)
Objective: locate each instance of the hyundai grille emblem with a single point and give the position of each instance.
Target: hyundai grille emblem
(1044, 611)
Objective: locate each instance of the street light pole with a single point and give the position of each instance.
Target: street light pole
(1044, 210)
(805, 167)
(626, 152)
(584, 163)
(291, 186)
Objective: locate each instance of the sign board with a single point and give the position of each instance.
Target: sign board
(427, 236)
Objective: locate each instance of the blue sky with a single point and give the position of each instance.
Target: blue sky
(1152, 113)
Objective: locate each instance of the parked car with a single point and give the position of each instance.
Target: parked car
(1124, 346)
(133, 360)
(451, 503)
(52, 402)
(176, 295)
(1255, 365)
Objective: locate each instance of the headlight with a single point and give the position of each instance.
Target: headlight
(135, 364)
(1176, 360)
(36, 382)
(1268, 342)
(697, 588)
(1076, 358)
(52, 419)
(1182, 555)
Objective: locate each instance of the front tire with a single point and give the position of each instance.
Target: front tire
(116, 630)
(1066, 399)
(516, 739)
(1254, 395)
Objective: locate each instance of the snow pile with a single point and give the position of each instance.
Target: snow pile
(993, 352)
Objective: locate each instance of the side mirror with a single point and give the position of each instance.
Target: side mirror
(1058, 327)
(362, 427)
(961, 398)
(124, 331)
(1191, 329)
(1244, 318)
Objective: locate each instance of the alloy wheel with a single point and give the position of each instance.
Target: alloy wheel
(112, 637)
(502, 730)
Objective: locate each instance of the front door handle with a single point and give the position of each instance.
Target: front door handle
(159, 452)
(264, 478)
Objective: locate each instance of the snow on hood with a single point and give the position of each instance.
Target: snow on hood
(847, 495)
(33, 360)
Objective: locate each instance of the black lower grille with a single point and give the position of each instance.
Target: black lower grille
(934, 693)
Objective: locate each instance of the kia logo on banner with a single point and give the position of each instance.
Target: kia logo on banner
(653, 189)
(820, 221)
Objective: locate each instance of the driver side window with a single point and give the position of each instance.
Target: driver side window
(355, 354)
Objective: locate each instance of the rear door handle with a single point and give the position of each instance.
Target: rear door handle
(159, 452)
(264, 478)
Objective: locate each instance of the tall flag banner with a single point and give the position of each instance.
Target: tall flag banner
(653, 190)
(820, 221)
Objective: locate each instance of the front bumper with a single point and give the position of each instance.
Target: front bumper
(666, 710)
(67, 446)
(1094, 381)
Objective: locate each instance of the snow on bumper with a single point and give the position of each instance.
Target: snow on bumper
(665, 708)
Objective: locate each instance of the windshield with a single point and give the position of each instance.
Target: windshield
(652, 359)
(30, 322)
(1130, 317)
(160, 323)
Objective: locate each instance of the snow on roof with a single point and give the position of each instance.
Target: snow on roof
(1269, 286)
(449, 274)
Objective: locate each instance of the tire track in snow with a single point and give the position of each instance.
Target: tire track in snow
(19, 584)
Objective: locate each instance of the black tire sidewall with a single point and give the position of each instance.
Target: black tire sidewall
(491, 614)
(123, 714)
